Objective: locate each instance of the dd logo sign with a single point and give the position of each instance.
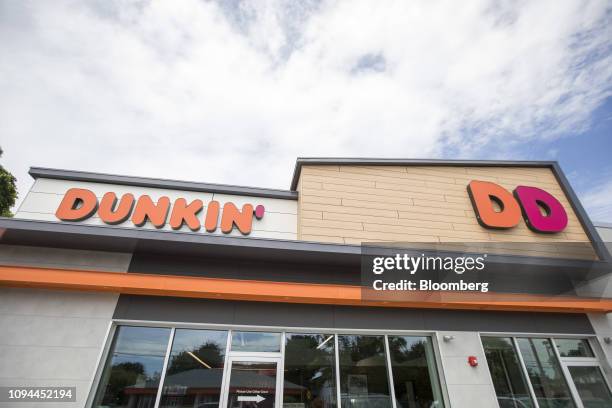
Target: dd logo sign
(542, 212)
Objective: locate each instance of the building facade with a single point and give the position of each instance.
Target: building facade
(142, 292)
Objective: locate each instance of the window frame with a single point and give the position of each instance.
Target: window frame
(586, 364)
(115, 323)
(278, 360)
(564, 362)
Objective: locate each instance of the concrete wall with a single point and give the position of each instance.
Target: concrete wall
(16, 255)
(54, 338)
(467, 386)
(602, 323)
(351, 204)
(41, 202)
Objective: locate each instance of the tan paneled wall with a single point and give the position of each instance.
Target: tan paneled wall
(355, 204)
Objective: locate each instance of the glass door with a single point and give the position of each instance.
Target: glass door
(583, 371)
(253, 382)
(590, 384)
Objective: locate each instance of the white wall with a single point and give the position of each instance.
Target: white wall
(51, 337)
(468, 387)
(602, 323)
(279, 221)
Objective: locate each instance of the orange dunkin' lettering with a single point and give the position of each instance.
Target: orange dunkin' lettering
(232, 216)
(483, 194)
(114, 214)
(186, 213)
(212, 216)
(146, 209)
(78, 204)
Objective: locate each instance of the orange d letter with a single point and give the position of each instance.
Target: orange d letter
(77, 205)
(483, 194)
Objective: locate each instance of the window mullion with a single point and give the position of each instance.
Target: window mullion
(338, 392)
(281, 371)
(568, 378)
(525, 373)
(165, 366)
(224, 380)
(390, 372)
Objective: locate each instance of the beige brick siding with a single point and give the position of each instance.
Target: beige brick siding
(354, 204)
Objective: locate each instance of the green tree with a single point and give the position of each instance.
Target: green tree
(209, 352)
(8, 191)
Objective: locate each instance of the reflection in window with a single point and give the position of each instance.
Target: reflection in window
(415, 377)
(591, 386)
(131, 375)
(256, 341)
(508, 379)
(252, 385)
(195, 369)
(310, 380)
(574, 348)
(549, 385)
(363, 372)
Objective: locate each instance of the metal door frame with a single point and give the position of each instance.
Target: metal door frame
(567, 362)
(252, 358)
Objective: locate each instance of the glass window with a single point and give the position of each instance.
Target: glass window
(363, 372)
(591, 386)
(544, 370)
(195, 369)
(256, 341)
(506, 372)
(415, 377)
(132, 372)
(252, 385)
(574, 348)
(310, 380)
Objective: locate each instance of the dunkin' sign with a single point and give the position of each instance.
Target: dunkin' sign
(496, 207)
(79, 204)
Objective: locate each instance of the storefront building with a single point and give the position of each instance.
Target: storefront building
(150, 293)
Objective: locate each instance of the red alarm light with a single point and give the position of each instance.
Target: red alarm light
(473, 361)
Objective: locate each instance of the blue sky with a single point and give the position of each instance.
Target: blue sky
(585, 156)
(586, 159)
(233, 91)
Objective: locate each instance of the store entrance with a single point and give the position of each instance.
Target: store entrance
(253, 382)
(588, 384)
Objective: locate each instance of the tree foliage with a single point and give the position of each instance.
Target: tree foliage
(8, 191)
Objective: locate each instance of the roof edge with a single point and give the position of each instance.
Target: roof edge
(64, 234)
(74, 175)
(366, 161)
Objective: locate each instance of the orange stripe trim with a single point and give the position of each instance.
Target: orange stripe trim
(285, 292)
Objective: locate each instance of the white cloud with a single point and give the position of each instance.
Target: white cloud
(233, 91)
(598, 202)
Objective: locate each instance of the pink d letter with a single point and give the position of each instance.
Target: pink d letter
(532, 199)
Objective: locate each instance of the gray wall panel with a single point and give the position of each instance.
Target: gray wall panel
(174, 310)
(378, 318)
(287, 315)
(527, 322)
(52, 338)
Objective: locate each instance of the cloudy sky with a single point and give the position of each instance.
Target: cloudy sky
(232, 91)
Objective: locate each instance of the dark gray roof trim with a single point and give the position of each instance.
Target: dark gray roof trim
(72, 175)
(118, 239)
(364, 161)
(587, 224)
